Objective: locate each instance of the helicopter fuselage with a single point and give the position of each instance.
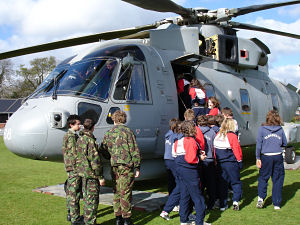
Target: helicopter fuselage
(145, 88)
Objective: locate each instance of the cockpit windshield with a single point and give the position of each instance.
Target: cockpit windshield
(89, 78)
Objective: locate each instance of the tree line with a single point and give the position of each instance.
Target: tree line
(21, 82)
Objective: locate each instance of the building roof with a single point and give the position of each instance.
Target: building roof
(10, 105)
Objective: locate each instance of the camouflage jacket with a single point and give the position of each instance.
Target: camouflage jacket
(88, 163)
(121, 144)
(69, 150)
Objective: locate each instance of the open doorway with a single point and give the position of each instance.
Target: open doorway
(183, 76)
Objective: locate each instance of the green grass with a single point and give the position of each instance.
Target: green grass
(20, 206)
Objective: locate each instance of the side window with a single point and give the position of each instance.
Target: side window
(245, 100)
(275, 102)
(111, 111)
(90, 111)
(131, 84)
(209, 90)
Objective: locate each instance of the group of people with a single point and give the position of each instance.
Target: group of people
(202, 153)
(83, 163)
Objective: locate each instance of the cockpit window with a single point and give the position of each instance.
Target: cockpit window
(90, 78)
(131, 84)
(47, 85)
(119, 51)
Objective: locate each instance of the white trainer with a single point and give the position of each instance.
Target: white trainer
(165, 215)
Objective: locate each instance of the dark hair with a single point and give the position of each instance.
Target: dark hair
(219, 119)
(88, 124)
(202, 120)
(119, 117)
(72, 119)
(188, 128)
(173, 123)
(214, 101)
(273, 119)
(196, 84)
(211, 121)
(227, 111)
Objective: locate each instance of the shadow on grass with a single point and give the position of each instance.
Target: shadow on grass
(288, 192)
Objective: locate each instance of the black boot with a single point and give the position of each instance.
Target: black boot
(127, 221)
(68, 216)
(119, 220)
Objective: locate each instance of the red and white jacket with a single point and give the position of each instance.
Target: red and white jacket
(214, 112)
(180, 85)
(198, 95)
(186, 152)
(227, 149)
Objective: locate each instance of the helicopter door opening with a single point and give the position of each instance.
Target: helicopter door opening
(183, 76)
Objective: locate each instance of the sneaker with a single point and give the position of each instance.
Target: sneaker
(236, 206)
(165, 215)
(176, 208)
(192, 217)
(204, 223)
(260, 203)
(188, 223)
(224, 208)
(276, 207)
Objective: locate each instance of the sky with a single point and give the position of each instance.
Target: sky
(26, 23)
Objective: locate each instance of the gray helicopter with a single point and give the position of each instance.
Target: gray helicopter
(136, 69)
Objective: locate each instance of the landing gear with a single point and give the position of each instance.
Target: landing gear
(290, 155)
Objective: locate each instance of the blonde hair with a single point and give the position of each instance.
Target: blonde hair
(228, 125)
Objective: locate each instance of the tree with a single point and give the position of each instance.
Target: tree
(6, 72)
(32, 77)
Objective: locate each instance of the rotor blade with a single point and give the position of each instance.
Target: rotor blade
(139, 35)
(254, 8)
(262, 29)
(76, 41)
(161, 6)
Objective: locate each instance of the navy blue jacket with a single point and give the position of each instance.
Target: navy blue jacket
(270, 139)
(216, 129)
(170, 138)
(209, 136)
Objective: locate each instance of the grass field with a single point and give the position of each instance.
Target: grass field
(20, 206)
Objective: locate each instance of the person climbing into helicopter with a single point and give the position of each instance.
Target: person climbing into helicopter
(198, 96)
(213, 106)
(184, 99)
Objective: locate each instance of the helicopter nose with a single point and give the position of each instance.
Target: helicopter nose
(25, 133)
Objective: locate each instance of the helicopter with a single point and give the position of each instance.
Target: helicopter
(136, 69)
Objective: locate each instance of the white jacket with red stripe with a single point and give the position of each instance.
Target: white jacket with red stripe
(227, 149)
(186, 152)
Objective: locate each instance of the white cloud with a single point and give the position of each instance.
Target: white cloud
(287, 74)
(40, 21)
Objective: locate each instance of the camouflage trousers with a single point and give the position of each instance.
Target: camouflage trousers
(91, 191)
(123, 179)
(73, 195)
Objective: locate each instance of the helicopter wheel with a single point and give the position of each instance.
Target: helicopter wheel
(290, 155)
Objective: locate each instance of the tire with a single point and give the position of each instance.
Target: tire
(290, 155)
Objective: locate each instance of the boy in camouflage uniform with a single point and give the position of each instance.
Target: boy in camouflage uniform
(73, 181)
(125, 159)
(89, 168)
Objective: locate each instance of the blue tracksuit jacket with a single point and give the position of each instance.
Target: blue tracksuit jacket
(270, 139)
